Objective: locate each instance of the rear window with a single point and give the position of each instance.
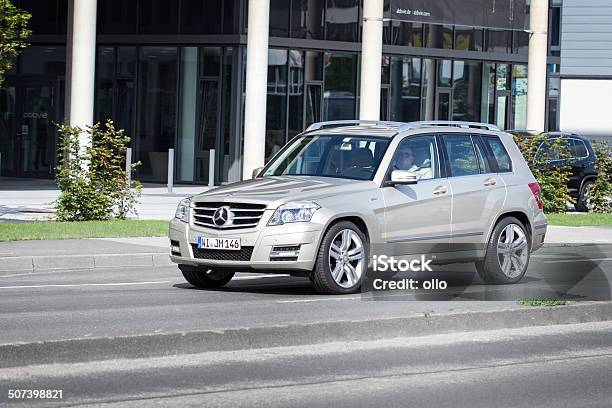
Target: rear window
(504, 164)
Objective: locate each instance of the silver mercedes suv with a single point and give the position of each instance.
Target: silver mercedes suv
(343, 192)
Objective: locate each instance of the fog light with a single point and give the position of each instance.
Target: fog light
(175, 248)
(285, 253)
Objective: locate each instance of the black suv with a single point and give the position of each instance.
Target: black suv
(582, 162)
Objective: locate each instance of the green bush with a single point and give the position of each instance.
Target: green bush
(599, 197)
(552, 179)
(92, 179)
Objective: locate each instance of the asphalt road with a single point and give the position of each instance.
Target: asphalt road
(134, 301)
(567, 365)
(554, 366)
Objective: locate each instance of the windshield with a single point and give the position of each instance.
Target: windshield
(354, 157)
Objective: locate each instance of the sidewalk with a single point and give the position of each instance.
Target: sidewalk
(90, 253)
(32, 199)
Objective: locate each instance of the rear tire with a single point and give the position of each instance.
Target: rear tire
(581, 203)
(205, 278)
(508, 253)
(340, 268)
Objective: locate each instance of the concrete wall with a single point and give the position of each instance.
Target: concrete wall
(586, 106)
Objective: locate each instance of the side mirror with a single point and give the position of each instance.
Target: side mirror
(402, 177)
(256, 172)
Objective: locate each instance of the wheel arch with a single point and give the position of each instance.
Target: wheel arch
(519, 215)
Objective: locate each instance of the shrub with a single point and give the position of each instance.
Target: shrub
(92, 179)
(599, 197)
(538, 151)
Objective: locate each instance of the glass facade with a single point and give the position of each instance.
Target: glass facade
(172, 74)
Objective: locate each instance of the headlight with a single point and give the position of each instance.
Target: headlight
(299, 211)
(182, 211)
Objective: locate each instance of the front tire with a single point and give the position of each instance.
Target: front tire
(508, 252)
(206, 278)
(342, 260)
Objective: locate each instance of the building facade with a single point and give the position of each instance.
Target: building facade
(172, 74)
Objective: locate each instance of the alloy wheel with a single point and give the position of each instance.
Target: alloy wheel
(346, 258)
(512, 250)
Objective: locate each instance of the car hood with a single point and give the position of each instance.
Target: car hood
(274, 191)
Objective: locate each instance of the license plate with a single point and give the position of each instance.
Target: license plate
(232, 244)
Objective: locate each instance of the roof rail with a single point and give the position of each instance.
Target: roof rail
(332, 123)
(457, 123)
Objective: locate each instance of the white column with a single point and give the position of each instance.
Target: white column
(538, 50)
(83, 60)
(371, 59)
(256, 87)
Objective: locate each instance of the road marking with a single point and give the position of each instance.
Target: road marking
(318, 300)
(83, 284)
(578, 260)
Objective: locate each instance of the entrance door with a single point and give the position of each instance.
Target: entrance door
(502, 110)
(27, 134)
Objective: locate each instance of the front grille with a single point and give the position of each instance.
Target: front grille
(244, 254)
(245, 215)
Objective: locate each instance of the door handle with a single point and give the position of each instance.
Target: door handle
(490, 181)
(440, 190)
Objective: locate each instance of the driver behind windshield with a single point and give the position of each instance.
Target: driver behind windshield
(405, 161)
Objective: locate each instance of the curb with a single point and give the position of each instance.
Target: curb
(168, 344)
(30, 264)
(17, 265)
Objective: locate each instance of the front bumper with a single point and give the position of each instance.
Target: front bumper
(305, 234)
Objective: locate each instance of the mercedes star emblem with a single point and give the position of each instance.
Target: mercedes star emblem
(223, 216)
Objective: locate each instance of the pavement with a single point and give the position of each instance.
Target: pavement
(32, 256)
(32, 199)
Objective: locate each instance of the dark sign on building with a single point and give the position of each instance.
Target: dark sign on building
(504, 14)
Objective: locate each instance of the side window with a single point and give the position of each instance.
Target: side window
(483, 161)
(418, 155)
(462, 159)
(579, 149)
(501, 156)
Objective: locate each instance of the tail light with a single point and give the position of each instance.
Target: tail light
(537, 191)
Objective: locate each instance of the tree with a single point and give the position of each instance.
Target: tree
(13, 33)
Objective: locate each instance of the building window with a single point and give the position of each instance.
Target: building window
(279, 18)
(467, 77)
(117, 17)
(405, 73)
(158, 16)
(521, 43)
(340, 86)
(201, 16)
(48, 16)
(519, 96)
(43, 60)
(307, 19)
(276, 107)
(157, 110)
(499, 41)
(438, 36)
(296, 92)
(470, 39)
(342, 20)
